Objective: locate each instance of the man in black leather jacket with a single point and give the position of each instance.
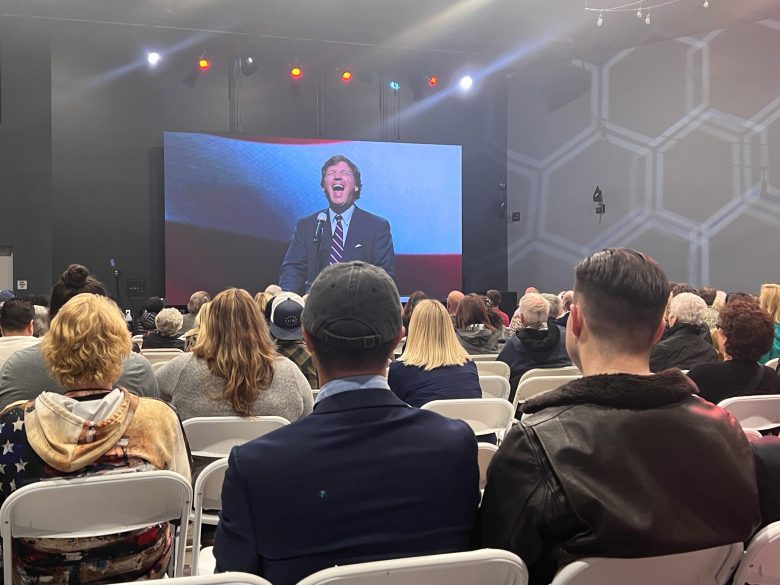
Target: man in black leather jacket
(620, 463)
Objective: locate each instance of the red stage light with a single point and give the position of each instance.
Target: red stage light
(296, 72)
(433, 80)
(346, 77)
(204, 64)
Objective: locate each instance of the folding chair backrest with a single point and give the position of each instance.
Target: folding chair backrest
(215, 436)
(485, 567)
(230, 578)
(755, 412)
(537, 385)
(95, 506)
(160, 355)
(563, 371)
(761, 563)
(483, 415)
(208, 496)
(485, 452)
(484, 357)
(713, 566)
(494, 386)
(493, 368)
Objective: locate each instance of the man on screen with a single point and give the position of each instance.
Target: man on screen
(340, 233)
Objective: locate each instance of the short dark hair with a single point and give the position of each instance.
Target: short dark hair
(414, 298)
(16, 314)
(336, 159)
(75, 280)
(351, 358)
(494, 296)
(708, 294)
(682, 287)
(740, 296)
(748, 328)
(623, 294)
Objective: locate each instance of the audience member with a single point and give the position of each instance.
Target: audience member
(688, 342)
(495, 298)
(414, 298)
(6, 295)
(622, 462)
(233, 368)
(149, 310)
(166, 336)
(566, 300)
(197, 300)
(365, 477)
(494, 318)
(539, 343)
(40, 321)
(453, 300)
(95, 427)
(17, 327)
(434, 365)
(191, 337)
(273, 289)
(746, 331)
(677, 288)
(531, 289)
(769, 299)
(25, 375)
(286, 330)
(472, 324)
(554, 303)
(767, 452)
(263, 299)
(711, 316)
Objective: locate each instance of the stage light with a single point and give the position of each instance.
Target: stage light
(204, 63)
(433, 80)
(296, 72)
(346, 76)
(153, 58)
(395, 86)
(466, 82)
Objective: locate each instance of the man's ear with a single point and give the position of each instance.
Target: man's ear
(575, 320)
(31, 327)
(307, 339)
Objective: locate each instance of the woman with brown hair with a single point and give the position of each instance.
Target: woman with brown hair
(475, 332)
(233, 368)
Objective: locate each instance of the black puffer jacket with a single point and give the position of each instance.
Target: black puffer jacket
(534, 348)
(685, 346)
(619, 466)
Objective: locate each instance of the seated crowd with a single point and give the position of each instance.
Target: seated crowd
(632, 459)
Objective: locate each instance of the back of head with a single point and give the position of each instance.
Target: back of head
(263, 299)
(235, 343)
(352, 317)
(41, 321)
(688, 308)
(15, 316)
(87, 342)
(273, 289)
(748, 330)
(75, 280)
(472, 311)
(682, 287)
(168, 322)
(708, 294)
(197, 300)
(769, 299)
(534, 309)
(622, 293)
(566, 300)
(555, 304)
(494, 296)
(153, 305)
(414, 298)
(431, 341)
(453, 300)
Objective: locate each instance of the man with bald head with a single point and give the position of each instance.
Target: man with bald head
(453, 300)
(539, 343)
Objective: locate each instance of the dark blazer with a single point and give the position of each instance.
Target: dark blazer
(368, 239)
(364, 477)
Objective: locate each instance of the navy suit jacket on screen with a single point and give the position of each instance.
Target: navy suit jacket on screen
(368, 239)
(364, 477)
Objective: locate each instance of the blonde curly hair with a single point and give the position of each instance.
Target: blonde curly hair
(87, 342)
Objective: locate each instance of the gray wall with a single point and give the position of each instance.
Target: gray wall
(682, 137)
(83, 121)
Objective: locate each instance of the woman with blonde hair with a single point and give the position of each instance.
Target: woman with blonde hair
(769, 300)
(191, 336)
(233, 369)
(93, 428)
(434, 365)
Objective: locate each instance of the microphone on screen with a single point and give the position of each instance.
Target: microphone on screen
(321, 219)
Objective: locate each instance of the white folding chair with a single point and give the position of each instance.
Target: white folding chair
(494, 386)
(483, 415)
(772, 363)
(215, 436)
(208, 496)
(493, 368)
(229, 578)
(485, 452)
(755, 412)
(139, 339)
(96, 505)
(160, 355)
(539, 384)
(539, 372)
(486, 567)
(761, 563)
(712, 566)
(484, 357)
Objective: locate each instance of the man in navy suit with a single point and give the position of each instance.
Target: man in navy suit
(340, 233)
(365, 476)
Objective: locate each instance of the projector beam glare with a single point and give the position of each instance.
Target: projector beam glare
(466, 83)
(153, 58)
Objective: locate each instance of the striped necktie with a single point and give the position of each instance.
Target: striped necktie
(337, 243)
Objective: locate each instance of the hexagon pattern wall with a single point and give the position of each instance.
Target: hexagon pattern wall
(683, 137)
